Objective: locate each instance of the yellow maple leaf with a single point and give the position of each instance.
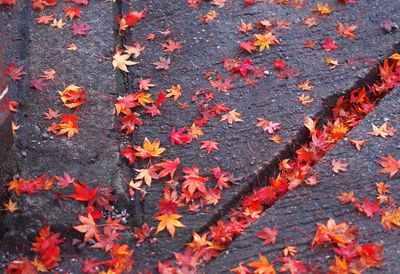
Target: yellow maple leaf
(57, 24)
(305, 85)
(174, 91)
(149, 149)
(196, 131)
(121, 60)
(11, 206)
(232, 116)
(68, 128)
(265, 40)
(170, 222)
(332, 63)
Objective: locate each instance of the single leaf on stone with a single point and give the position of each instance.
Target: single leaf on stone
(38, 83)
(248, 46)
(339, 166)
(163, 63)
(268, 235)
(383, 131)
(147, 174)
(149, 149)
(367, 207)
(48, 75)
(169, 222)
(65, 181)
(175, 91)
(244, 27)
(129, 154)
(135, 51)
(346, 197)
(179, 137)
(80, 29)
(11, 206)
(44, 19)
(268, 125)
(329, 45)
(209, 145)
(265, 40)
(232, 116)
(144, 84)
(168, 167)
(263, 266)
(15, 73)
(73, 12)
(52, 114)
(346, 30)
(143, 233)
(171, 46)
(390, 165)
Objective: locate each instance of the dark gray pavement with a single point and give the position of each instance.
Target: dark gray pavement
(244, 149)
(296, 215)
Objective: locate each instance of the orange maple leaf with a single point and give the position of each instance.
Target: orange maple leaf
(232, 116)
(169, 221)
(383, 131)
(346, 30)
(88, 227)
(174, 91)
(147, 174)
(171, 46)
(263, 266)
(149, 149)
(390, 165)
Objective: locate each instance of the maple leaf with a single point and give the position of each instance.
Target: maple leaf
(135, 51)
(232, 116)
(292, 265)
(171, 46)
(51, 114)
(209, 17)
(312, 180)
(358, 143)
(147, 174)
(222, 85)
(174, 91)
(338, 166)
(15, 73)
(11, 206)
(195, 131)
(265, 40)
(381, 187)
(268, 125)
(305, 99)
(244, 27)
(144, 84)
(219, 3)
(389, 25)
(169, 221)
(346, 30)
(163, 63)
(72, 12)
(129, 122)
(168, 167)
(309, 44)
(179, 137)
(263, 266)
(209, 145)
(390, 165)
(83, 192)
(71, 46)
(133, 16)
(69, 128)
(248, 46)
(340, 233)
(73, 96)
(153, 110)
(305, 85)
(38, 83)
(88, 227)
(57, 24)
(268, 235)
(129, 154)
(90, 266)
(367, 207)
(80, 29)
(48, 75)
(323, 9)
(329, 45)
(121, 60)
(240, 269)
(64, 182)
(149, 149)
(310, 21)
(332, 63)
(193, 180)
(383, 131)
(143, 233)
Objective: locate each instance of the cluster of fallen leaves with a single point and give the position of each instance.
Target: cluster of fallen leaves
(192, 191)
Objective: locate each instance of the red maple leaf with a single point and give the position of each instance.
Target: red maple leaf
(72, 12)
(144, 84)
(83, 192)
(91, 266)
(248, 46)
(222, 178)
(179, 137)
(329, 45)
(143, 233)
(209, 145)
(129, 154)
(160, 98)
(268, 235)
(153, 110)
(219, 108)
(168, 167)
(15, 73)
(134, 16)
(367, 207)
(390, 165)
(38, 83)
(193, 180)
(80, 29)
(129, 122)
